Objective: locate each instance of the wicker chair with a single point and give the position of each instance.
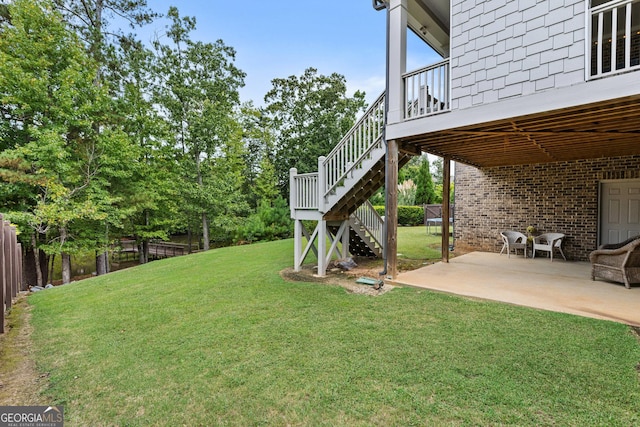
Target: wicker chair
(513, 240)
(547, 243)
(618, 262)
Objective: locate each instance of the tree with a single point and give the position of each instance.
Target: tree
(50, 98)
(310, 115)
(437, 170)
(197, 94)
(425, 192)
(90, 19)
(261, 179)
(410, 170)
(151, 194)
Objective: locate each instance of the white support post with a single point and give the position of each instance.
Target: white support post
(322, 247)
(397, 64)
(297, 245)
(293, 191)
(322, 184)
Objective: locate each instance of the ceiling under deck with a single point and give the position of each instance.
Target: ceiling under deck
(605, 129)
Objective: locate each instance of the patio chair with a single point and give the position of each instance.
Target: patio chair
(548, 242)
(618, 262)
(513, 240)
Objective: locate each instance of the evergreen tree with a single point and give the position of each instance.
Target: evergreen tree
(425, 193)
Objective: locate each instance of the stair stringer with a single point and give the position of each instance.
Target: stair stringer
(353, 179)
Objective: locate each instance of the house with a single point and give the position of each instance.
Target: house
(538, 104)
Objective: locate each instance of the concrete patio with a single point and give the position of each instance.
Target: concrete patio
(562, 286)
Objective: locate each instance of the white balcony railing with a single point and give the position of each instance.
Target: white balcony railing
(614, 28)
(427, 90)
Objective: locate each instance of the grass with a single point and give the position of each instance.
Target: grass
(218, 338)
(415, 243)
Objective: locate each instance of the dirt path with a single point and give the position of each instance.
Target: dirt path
(369, 268)
(20, 383)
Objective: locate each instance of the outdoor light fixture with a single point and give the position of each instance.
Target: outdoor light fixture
(379, 4)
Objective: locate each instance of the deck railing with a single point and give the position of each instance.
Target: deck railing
(373, 223)
(427, 90)
(614, 29)
(363, 137)
(304, 190)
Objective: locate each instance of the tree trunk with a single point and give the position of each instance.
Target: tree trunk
(144, 246)
(144, 252)
(205, 223)
(66, 268)
(44, 267)
(101, 263)
(36, 259)
(205, 232)
(189, 238)
(50, 275)
(66, 258)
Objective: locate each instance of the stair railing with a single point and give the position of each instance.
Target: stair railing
(369, 219)
(353, 149)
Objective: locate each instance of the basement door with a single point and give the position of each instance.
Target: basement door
(619, 210)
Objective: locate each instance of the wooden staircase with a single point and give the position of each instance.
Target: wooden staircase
(336, 197)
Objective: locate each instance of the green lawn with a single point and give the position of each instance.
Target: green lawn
(415, 243)
(218, 338)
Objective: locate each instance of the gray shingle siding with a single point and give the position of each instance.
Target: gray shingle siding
(502, 49)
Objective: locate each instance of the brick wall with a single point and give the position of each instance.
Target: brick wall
(554, 197)
(504, 48)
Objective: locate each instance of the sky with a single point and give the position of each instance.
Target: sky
(281, 38)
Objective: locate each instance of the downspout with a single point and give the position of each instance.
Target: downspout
(379, 5)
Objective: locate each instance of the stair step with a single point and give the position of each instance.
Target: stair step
(357, 246)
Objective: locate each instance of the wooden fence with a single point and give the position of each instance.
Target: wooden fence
(433, 216)
(10, 267)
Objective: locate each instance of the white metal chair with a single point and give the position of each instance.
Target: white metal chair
(547, 243)
(513, 240)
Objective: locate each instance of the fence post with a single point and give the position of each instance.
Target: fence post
(21, 285)
(2, 277)
(10, 267)
(8, 286)
(12, 242)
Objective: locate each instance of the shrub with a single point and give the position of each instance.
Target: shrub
(270, 222)
(407, 215)
(410, 215)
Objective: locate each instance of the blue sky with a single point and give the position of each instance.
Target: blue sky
(280, 38)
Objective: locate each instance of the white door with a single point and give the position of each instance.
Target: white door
(620, 211)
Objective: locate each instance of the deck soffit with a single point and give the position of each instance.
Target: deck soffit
(603, 129)
(429, 20)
